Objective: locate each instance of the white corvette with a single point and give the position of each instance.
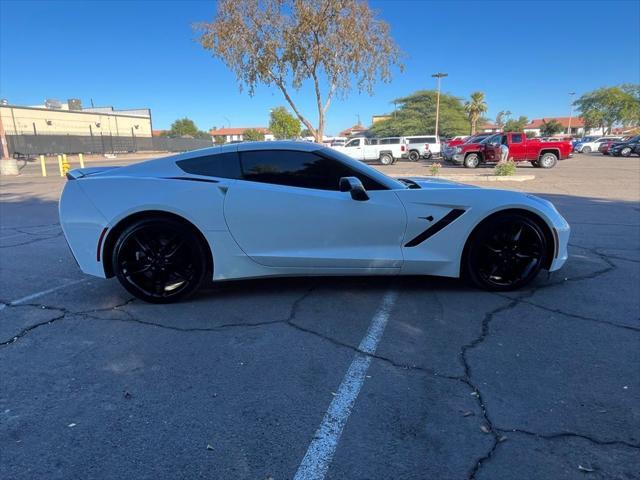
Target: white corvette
(292, 209)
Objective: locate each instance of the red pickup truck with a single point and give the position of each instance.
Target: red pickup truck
(539, 153)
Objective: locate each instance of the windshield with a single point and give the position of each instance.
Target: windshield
(491, 139)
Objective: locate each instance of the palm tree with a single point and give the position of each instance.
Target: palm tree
(475, 108)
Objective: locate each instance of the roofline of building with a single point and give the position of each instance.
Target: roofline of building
(80, 111)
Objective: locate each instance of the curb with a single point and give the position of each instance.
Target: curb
(479, 178)
(489, 178)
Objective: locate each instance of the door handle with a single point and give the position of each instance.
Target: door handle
(223, 189)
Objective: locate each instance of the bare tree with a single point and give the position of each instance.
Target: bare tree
(336, 45)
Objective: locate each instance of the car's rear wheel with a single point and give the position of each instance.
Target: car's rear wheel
(159, 260)
(625, 152)
(414, 155)
(586, 150)
(472, 160)
(548, 160)
(505, 253)
(386, 159)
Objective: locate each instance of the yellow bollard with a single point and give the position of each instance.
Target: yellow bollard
(65, 164)
(60, 165)
(81, 158)
(43, 166)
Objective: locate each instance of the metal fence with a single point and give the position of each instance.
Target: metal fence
(31, 145)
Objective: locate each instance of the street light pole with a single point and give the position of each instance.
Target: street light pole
(438, 75)
(571, 94)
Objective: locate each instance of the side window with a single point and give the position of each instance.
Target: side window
(431, 139)
(298, 169)
(516, 138)
(394, 141)
(354, 143)
(223, 165)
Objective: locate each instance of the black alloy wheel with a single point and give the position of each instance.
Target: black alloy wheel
(414, 155)
(506, 253)
(159, 260)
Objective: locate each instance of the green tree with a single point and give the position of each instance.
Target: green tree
(183, 127)
(416, 115)
(220, 140)
(609, 106)
(474, 108)
(502, 117)
(306, 133)
(550, 128)
(283, 125)
(333, 46)
(253, 135)
(516, 125)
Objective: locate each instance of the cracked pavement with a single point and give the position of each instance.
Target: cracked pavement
(539, 383)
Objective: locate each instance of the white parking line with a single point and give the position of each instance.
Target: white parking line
(316, 461)
(33, 296)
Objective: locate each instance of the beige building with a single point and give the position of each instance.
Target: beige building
(40, 120)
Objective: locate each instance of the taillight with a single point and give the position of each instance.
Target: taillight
(402, 148)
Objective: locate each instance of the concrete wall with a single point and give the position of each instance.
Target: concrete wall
(21, 121)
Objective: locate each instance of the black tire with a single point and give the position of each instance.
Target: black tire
(472, 160)
(168, 258)
(626, 152)
(414, 156)
(586, 150)
(548, 160)
(505, 252)
(386, 159)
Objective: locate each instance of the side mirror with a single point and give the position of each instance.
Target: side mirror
(354, 185)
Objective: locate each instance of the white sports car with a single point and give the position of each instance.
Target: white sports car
(296, 208)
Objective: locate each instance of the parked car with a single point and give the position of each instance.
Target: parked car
(456, 140)
(385, 150)
(449, 151)
(538, 153)
(625, 149)
(274, 209)
(605, 146)
(422, 146)
(592, 146)
(578, 140)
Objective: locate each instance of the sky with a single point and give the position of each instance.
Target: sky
(526, 56)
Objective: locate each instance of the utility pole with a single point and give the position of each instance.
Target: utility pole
(438, 75)
(571, 94)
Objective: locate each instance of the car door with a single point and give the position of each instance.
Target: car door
(355, 149)
(287, 211)
(517, 147)
(492, 149)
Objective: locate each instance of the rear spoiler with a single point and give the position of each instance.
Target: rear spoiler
(85, 172)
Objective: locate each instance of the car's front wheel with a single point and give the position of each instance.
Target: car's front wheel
(159, 260)
(505, 253)
(625, 152)
(472, 160)
(585, 150)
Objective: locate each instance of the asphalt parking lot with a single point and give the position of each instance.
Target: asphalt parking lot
(272, 378)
